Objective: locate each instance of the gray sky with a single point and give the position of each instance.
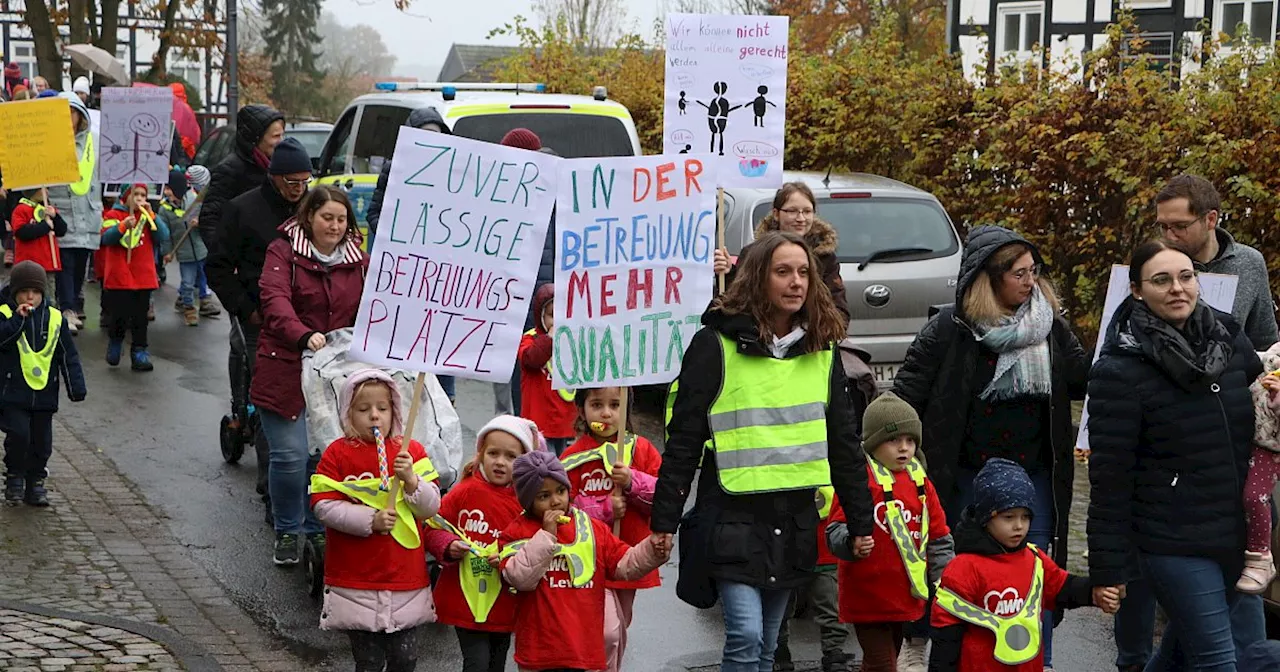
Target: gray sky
(421, 38)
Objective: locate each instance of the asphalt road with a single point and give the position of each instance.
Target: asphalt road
(161, 430)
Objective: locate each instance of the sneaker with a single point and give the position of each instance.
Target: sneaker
(317, 543)
(286, 550)
(14, 489)
(782, 659)
(1259, 570)
(835, 661)
(36, 495)
(115, 348)
(209, 309)
(140, 360)
(190, 316)
(81, 316)
(913, 657)
(177, 304)
(72, 325)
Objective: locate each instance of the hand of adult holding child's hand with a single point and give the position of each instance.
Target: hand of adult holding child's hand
(663, 541)
(862, 546)
(1107, 598)
(384, 520)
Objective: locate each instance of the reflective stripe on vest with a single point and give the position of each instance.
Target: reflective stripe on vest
(164, 205)
(579, 555)
(824, 497)
(366, 491)
(37, 209)
(481, 585)
(768, 423)
(37, 365)
(1017, 636)
(913, 558)
(566, 395)
(607, 453)
(132, 238)
(87, 160)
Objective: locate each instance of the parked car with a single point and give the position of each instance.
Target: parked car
(219, 142)
(899, 254)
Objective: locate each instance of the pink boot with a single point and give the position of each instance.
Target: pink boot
(1259, 570)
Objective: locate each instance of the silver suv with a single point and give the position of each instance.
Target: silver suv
(899, 254)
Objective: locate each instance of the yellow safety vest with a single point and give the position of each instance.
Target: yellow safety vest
(36, 208)
(132, 238)
(367, 492)
(607, 453)
(580, 555)
(1017, 636)
(37, 365)
(824, 498)
(481, 585)
(87, 160)
(769, 421)
(164, 205)
(913, 556)
(566, 395)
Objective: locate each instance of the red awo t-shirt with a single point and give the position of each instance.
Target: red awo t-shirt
(999, 584)
(378, 561)
(878, 590)
(557, 625)
(481, 510)
(591, 480)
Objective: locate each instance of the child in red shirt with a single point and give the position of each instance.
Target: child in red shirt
(559, 558)
(879, 593)
(36, 237)
(131, 234)
(996, 575)
(619, 496)
(375, 570)
(475, 512)
(552, 410)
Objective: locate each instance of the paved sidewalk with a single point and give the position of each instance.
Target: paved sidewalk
(99, 572)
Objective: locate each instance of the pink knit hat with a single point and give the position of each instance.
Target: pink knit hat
(348, 392)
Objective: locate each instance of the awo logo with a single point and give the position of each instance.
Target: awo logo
(558, 564)
(596, 482)
(473, 523)
(911, 519)
(359, 477)
(1003, 602)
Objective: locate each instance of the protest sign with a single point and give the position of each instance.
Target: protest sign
(136, 134)
(1219, 291)
(37, 146)
(457, 252)
(633, 267)
(726, 94)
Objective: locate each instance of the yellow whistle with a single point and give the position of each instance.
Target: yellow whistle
(601, 428)
(564, 520)
(1274, 373)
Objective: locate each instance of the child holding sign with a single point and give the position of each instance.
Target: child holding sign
(552, 410)
(614, 487)
(375, 570)
(131, 233)
(36, 229)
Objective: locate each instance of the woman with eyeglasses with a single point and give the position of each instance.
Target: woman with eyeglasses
(1171, 419)
(796, 210)
(993, 376)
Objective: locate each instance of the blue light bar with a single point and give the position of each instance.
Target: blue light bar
(385, 86)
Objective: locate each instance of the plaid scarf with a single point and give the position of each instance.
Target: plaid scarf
(1021, 340)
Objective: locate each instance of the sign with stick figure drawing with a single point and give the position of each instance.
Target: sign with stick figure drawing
(135, 135)
(726, 93)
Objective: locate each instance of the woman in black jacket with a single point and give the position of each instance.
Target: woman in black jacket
(1170, 424)
(994, 376)
(764, 447)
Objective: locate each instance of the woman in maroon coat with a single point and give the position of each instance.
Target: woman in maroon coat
(311, 285)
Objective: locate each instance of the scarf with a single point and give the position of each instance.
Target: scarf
(261, 159)
(1023, 368)
(1193, 356)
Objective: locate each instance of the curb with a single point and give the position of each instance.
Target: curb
(191, 655)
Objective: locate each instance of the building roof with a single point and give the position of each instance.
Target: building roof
(473, 62)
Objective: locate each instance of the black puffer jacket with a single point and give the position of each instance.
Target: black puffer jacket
(249, 223)
(767, 540)
(1169, 464)
(417, 119)
(238, 172)
(941, 377)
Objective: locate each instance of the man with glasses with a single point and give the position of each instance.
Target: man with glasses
(249, 223)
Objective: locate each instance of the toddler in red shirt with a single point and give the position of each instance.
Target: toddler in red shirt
(619, 494)
(469, 593)
(559, 558)
(552, 410)
(36, 229)
(990, 600)
(884, 583)
(375, 570)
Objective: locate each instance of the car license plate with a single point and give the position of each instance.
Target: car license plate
(885, 373)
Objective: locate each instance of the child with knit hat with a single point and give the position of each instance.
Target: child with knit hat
(188, 249)
(464, 537)
(884, 584)
(559, 558)
(30, 396)
(998, 583)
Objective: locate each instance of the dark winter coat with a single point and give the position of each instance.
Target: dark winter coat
(237, 173)
(417, 119)
(1168, 464)
(300, 297)
(250, 223)
(764, 540)
(941, 379)
(66, 360)
(823, 240)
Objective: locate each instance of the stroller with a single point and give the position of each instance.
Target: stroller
(241, 426)
(436, 426)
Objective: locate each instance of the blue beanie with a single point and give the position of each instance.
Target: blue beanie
(1001, 485)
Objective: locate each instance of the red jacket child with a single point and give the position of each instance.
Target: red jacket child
(34, 238)
(128, 253)
(553, 413)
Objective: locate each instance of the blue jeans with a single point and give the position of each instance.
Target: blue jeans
(193, 278)
(1040, 534)
(752, 617)
(75, 263)
(1135, 626)
(292, 465)
(1198, 597)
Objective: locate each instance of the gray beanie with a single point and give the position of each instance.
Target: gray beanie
(887, 418)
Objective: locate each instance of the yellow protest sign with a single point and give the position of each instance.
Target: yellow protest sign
(37, 147)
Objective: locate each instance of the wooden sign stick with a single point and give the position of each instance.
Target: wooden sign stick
(719, 243)
(53, 245)
(418, 387)
(621, 438)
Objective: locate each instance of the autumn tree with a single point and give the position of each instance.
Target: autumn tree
(87, 21)
(291, 33)
(355, 58)
(592, 23)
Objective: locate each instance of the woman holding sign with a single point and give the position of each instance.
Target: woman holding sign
(311, 285)
(761, 404)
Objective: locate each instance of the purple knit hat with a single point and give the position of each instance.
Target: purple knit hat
(349, 392)
(530, 470)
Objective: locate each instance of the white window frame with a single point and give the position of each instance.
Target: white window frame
(25, 61)
(1148, 4)
(1023, 9)
(1230, 30)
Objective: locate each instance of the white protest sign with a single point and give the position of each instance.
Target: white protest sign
(135, 135)
(1219, 291)
(726, 94)
(456, 256)
(633, 268)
